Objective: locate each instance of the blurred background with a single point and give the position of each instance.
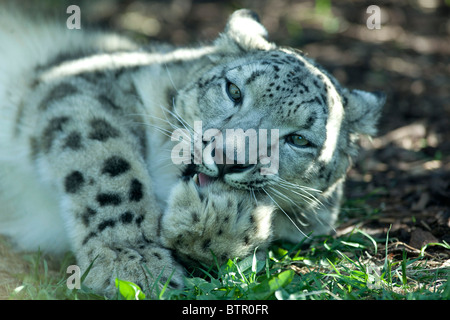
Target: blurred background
(402, 176)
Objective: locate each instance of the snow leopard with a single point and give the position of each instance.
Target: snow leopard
(90, 162)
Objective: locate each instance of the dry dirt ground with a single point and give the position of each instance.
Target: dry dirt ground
(402, 177)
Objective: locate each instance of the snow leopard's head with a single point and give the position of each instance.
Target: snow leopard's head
(269, 121)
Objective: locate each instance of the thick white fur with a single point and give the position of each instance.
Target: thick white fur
(29, 209)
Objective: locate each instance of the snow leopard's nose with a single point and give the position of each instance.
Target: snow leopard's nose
(236, 161)
(229, 156)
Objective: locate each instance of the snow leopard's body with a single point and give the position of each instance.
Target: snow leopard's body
(85, 162)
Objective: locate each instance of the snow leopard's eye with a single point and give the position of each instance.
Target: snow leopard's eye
(233, 92)
(297, 140)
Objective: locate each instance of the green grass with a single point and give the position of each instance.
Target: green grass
(326, 269)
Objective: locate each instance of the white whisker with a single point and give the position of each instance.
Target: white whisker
(166, 121)
(310, 200)
(170, 77)
(163, 131)
(303, 189)
(178, 117)
(290, 219)
(281, 195)
(297, 186)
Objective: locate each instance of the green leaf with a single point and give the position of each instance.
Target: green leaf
(84, 275)
(404, 279)
(250, 264)
(129, 290)
(202, 284)
(353, 244)
(268, 287)
(374, 243)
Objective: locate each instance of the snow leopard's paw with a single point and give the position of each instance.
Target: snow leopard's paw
(214, 222)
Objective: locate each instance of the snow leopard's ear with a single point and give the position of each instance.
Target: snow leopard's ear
(244, 32)
(362, 110)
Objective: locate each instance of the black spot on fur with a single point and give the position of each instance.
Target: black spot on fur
(305, 88)
(73, 182)
(109, 199)
(49, 133)
(195, 217)
(89, 237)
(107, 103)
(146, 240)
(174, 285)
(102, 130)
(73, 141)
(59, 92)
(105, 224)
(139, 220)
(126, 218)
(253, 76)
(135, 193)
(87, 215)
(157, 255)
(316, 84)
(310, 121)
(206, 244)
(115, 166)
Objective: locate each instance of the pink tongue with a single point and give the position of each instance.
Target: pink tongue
(203, 179)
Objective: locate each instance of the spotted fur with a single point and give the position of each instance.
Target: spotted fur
(86, 137)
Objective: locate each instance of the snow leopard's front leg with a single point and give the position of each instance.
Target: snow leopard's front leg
(215, 223)
(85, 149)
